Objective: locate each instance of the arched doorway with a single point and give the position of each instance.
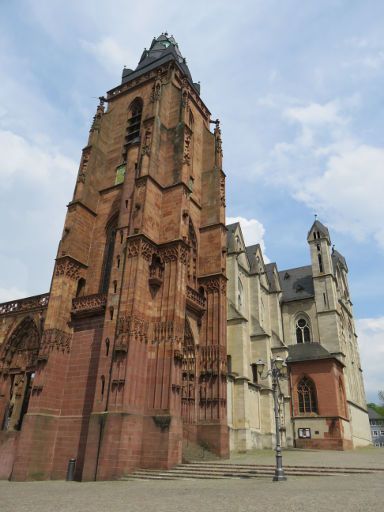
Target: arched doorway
(18, 359)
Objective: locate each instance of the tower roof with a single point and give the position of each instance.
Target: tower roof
(163, 48)
(319, 228)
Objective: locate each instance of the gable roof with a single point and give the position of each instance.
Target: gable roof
(318, 226)
(338, 258)
(297, 283)
(269, 269)
(306, 352)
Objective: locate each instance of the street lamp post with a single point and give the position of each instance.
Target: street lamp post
(278, 371)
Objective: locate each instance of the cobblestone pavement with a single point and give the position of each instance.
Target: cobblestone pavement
(352, 493)
(363, 457)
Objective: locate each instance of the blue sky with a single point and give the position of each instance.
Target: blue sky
(298, 87)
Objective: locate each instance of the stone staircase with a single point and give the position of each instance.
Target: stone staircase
(218, 471)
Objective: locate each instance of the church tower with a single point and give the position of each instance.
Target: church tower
(133, 353)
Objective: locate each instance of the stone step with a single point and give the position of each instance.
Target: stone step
(210, 475)
(221, 470)
(286, 467)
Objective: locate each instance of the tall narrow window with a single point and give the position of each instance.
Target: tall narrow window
(303, 332)
(108, 255)
(80, 287)
(192, 262)
(134, 123)
(321, 269)
(306, 392)
(240, 295)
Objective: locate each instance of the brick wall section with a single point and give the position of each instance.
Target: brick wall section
(326, 375)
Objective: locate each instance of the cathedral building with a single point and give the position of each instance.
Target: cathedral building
(125, 359)
(126, 355)
(303, 315)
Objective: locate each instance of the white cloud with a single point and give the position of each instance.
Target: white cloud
(21, 159)
(253, 232)
(315, 113)
(350, 191)
(108, 52)
(329, 170)
(371, 343)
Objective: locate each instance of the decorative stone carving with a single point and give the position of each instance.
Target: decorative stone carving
(146, 147)
(178, 251)
(170, 253)
(68, 267)
(216, 284)
(163, 332)
(187, 149)
(89, 303)
(222, 190)
(55, 339)
(218, 141)
(132, 326)
(97, 118)
(156, 271)
(37, 302)
(84, 164)
(196, 300)
(162, 421)
(213, 361)
(22, 346)
(156, 89)
(133, 248)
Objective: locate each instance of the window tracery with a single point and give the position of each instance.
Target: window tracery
(306, 391)
(303, 331)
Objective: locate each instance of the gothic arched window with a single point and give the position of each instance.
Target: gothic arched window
(19, 356)
(192, 262)
(306, 392)
(303, 331)
(108, 254)
(240, 295)
(134, 123)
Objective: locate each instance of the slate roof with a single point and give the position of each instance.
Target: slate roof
(374, 415)
(231, 242)
(297, 283)
(338, 258)
(251, 254)
(318, 226)
(306, 352)
(163, 49)
(270, 275)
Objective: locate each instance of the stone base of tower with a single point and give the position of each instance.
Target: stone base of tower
(215, 437)
(35, 450)
(120, 443)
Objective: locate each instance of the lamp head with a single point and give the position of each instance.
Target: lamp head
(279, 361)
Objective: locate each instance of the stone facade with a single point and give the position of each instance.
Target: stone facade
(126, 357)
(305, 315)
(130, 358)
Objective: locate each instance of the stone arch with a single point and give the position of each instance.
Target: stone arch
(307, 396)
(110, 237)
(22, 346)
(18, 364)
(302, 328)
